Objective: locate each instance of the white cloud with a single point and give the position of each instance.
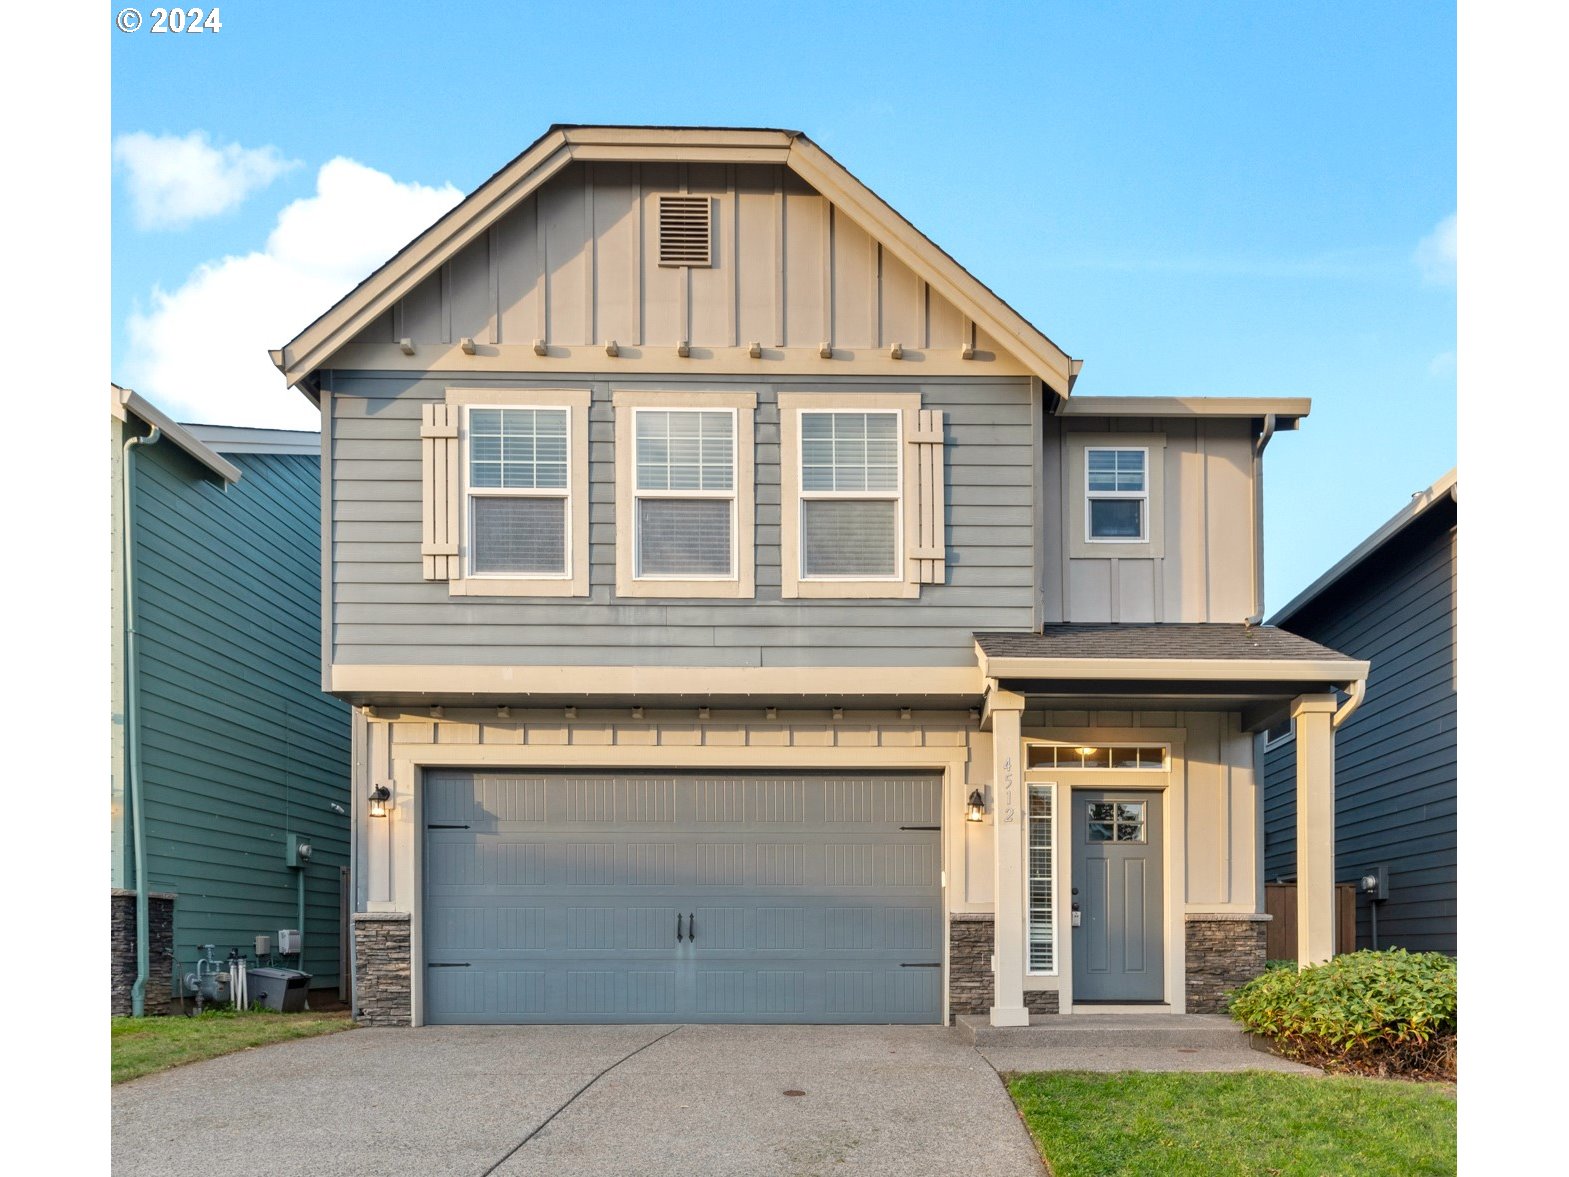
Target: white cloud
(175, 180)
(200, 352)
(1435, 253)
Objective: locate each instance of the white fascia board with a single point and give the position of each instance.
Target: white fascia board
(124, 402)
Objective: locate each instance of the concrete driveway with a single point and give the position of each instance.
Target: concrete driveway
(693, 1100)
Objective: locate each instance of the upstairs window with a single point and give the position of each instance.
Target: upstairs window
(1116, 494)
(518, 492)
(685, 493)
(850, 495)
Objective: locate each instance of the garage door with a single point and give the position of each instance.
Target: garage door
(640, 897)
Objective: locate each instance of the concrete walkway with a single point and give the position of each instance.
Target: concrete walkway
(468, 1101)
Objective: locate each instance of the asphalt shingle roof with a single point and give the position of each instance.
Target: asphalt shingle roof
(1193, 640)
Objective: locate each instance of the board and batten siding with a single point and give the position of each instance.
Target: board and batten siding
(577, 263)
(1395, 766)
(384, 612)
(240, 747)
(1206, 570)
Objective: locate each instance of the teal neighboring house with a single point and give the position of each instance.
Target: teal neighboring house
(218, 722)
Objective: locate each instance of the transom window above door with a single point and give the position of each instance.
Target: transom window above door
(1115, 821)
(684, 484)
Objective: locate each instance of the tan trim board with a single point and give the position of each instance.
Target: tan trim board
(827, 682)
(1185, 406)
(1182, 669)
(657, 756)
(636, 359)
(744, 404)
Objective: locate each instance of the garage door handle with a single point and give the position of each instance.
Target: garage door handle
(936, 964)
(691, 928)
(678, 927)
(438, 964)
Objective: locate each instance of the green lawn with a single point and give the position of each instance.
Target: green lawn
(1251, 1122)
(140, 1046)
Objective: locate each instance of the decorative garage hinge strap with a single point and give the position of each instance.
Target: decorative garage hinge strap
(440, 475)
(928, 551)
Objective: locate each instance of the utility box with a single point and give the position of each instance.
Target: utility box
(288, 941)
(280, 989)
(296, 851)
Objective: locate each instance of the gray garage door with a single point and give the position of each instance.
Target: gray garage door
(641, 897)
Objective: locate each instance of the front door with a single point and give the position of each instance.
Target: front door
(1119, 895)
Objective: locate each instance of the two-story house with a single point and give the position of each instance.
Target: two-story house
(744, 622)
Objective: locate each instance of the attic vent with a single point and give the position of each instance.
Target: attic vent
(685, 231)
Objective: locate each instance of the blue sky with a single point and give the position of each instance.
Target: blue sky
(1217, 199)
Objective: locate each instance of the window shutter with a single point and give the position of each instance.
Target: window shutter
(439, 471)
(928, 556)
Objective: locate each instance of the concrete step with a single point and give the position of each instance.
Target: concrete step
(1105, 1031)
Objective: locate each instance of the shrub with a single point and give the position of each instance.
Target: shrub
(1376, 1013)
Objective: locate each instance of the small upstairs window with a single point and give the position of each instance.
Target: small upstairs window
(1116, 494)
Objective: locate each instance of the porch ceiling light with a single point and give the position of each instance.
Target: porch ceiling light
(975, 808)
(1086, 751)
(379, 796)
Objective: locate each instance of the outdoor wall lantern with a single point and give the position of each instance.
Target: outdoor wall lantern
(379, 796)
(976, 807)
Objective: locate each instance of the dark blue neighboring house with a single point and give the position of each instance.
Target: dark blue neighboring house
(219, 725)
(1390, 601)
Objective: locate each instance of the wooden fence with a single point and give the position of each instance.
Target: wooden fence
(1280, 901)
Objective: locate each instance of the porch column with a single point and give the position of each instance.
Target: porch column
(1003, 709)
(1315, 747)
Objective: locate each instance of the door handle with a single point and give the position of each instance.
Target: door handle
(691, 928)
(678, 927)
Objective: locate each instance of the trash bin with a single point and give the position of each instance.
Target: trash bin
(279, 989)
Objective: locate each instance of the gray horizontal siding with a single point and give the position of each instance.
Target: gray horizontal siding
(1395, 777)
(384, 612)
(239, 745)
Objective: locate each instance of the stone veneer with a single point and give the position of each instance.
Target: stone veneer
(1224, 951)
(156, 996)
(382, 963)
(970, 944)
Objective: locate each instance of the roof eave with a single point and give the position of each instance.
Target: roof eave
(124, 402)
(1208, 670)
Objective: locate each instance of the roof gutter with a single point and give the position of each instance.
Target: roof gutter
(1358, 692)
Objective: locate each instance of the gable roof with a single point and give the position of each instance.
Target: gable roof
(1421, 503)
(564, 143)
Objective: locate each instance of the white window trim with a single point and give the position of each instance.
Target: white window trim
(1290, 734)
(572, 583)
(1142, 496)
(471, 492)
(1056, 870)
(896, 496)
(791, 584)
(1163, 766)
(731, 496)
(742, 585)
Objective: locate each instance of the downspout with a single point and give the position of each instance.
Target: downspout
(1259, 445)
(133, 715)
(1354, 696)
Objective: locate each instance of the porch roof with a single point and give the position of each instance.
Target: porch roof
(1257, 670)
